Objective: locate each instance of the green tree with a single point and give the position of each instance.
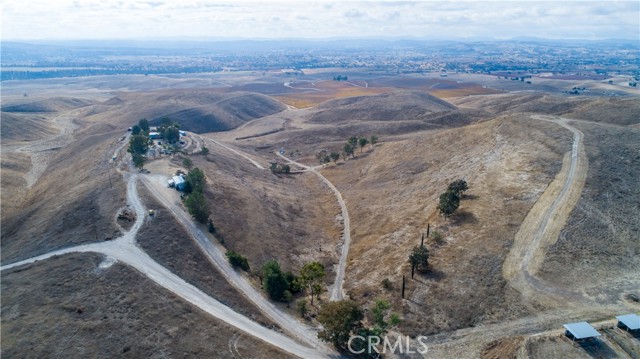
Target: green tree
(458, 187)
(323, 157)
(362, 142)
(205, 152)
(197, 206)
(144, 125)
(171, 134)
(187, 163)
(335, 156)
(237, 261)
(419, 258)
(138, 160)
(138, 144)
(195, 180)
(312, 276)
(340, 320)
(349, 149)
(135, 130)
(274, 280)
(286, 169)
(379, 311)
(449, 202)
(353, 141)
(373, 140)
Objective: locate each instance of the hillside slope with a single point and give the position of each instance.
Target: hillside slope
(198, 111)
(21, 127)
(394, 106)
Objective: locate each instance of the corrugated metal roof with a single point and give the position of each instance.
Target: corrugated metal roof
(632, 321)
(581, 330)
(178, 179)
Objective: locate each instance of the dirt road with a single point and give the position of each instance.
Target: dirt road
(254, 162)
(215, 254)
(337, 293)
(542, 225)
(125, 250)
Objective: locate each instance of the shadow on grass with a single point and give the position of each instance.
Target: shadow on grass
(431, 275)
(464, 217)
(598, 349)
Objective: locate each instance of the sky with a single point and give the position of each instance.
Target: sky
(233, 19)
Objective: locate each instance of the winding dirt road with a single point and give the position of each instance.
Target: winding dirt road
(125, 250)
(215, 254)
(337, 292)
(542, 225)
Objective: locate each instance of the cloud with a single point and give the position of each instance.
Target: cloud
(316, 19)
(354, 13)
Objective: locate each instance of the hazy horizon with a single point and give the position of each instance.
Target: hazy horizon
(167, 20)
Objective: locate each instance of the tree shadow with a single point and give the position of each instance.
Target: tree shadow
(470, 197)
(431, 275)
(464, 217)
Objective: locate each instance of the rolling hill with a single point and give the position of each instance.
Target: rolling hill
(198, 111)
(394, 106)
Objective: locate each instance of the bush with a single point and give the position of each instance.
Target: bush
(437, 236)
(237, 261)
(449, 202)
(386, 284)
(419, 258)
(301, 305)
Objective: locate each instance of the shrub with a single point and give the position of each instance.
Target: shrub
(237, 261)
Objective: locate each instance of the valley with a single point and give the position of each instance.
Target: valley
(546, 234)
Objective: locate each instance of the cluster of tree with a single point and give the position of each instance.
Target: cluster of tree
(340, 78)
(348, 149)
(450, 199)
(343, 320)
(194, 190)
(169, 130)
(277, 168)
(279, 285)
(237, 261)
(324, 156)
(139, 142)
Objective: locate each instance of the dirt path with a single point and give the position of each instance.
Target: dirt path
(215, 254)
(337, 292)
(254, 162)
(41, 151)
(542, 225)
(125, 250)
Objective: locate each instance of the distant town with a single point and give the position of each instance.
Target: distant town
(594, 60)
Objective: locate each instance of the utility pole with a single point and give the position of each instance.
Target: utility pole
(403, 286)
(427, 229)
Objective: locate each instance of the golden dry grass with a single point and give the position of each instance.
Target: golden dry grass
(330, 90)
(392, 194)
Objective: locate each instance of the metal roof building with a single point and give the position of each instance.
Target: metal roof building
(629, 321)
(580, 331)
(179, 182)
